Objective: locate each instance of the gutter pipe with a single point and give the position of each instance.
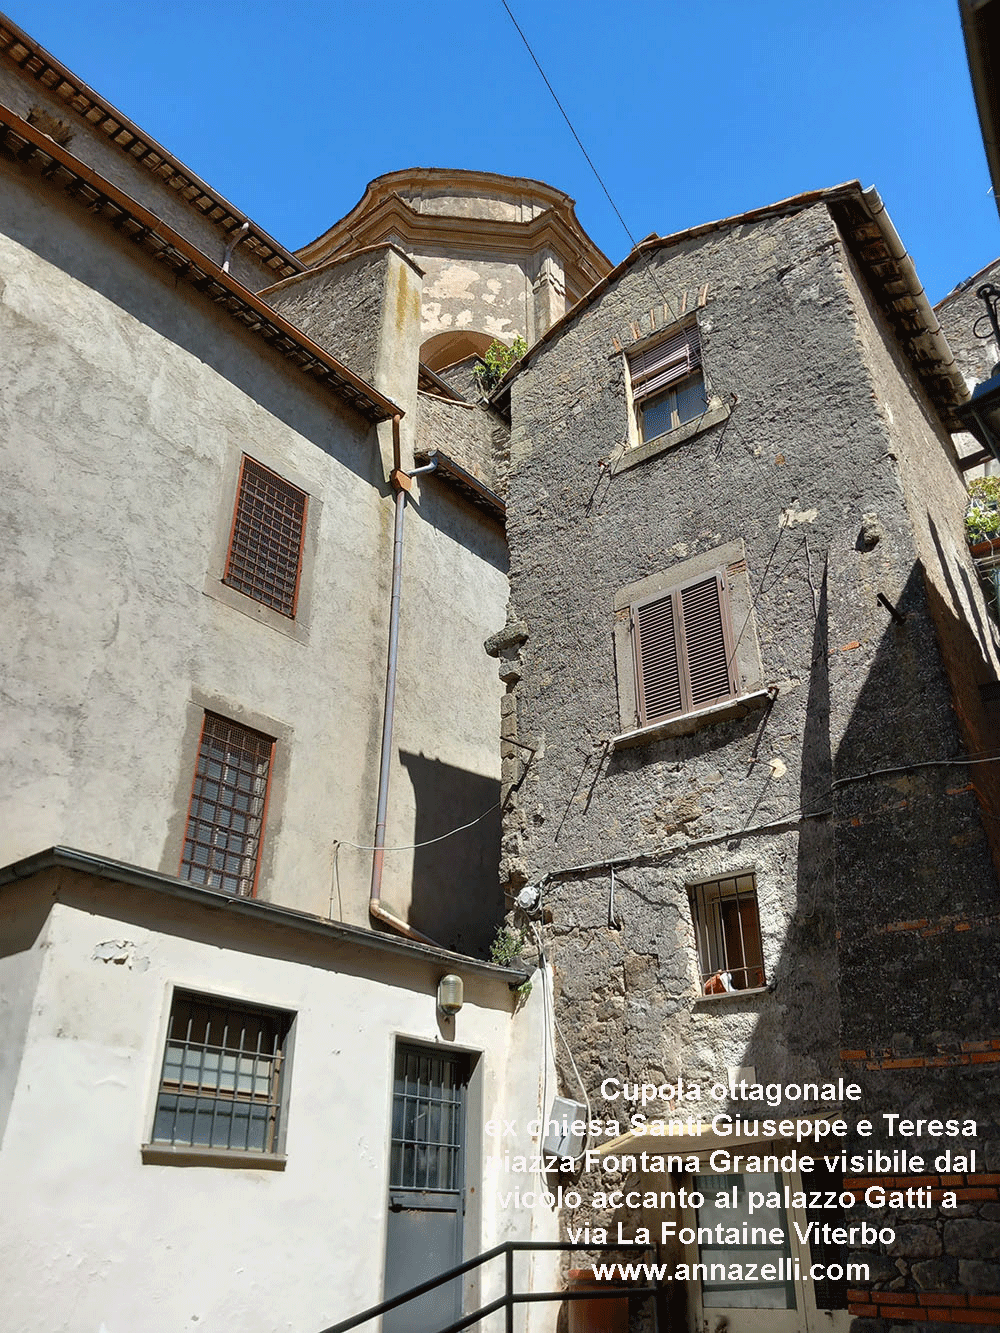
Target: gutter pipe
(401, 484)
(933, 337)
(234, 242)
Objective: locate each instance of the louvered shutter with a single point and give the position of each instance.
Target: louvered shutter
(683, 650)
(669, 361)
(657, 659)
(706, 651)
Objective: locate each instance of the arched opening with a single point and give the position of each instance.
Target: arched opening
(445, 349)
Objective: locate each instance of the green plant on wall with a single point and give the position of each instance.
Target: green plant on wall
(506, 947)
(982, 517)
(504, 950)
(497, 360)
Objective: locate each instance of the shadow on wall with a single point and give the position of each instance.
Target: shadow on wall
(803, 1020)
(916, 890)
(456, 897)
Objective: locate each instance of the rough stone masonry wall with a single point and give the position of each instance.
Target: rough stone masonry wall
(339, 306)
(805, 472)
(960, 313)
(463, 431)
(917, 907)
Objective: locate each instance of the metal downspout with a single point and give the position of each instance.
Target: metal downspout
(401, 483)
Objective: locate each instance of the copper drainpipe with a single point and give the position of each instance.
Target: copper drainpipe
(401, 484)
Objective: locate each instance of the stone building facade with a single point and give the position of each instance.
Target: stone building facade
(746, 661)
(746, 682)
(213, 1007)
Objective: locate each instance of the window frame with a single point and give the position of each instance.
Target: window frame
(682, 657)
(217, 557)
(195, 795)
(291, 491)
(706, 898)
(647, 401)
(729, 563)
(171, 1150)
(642, 386)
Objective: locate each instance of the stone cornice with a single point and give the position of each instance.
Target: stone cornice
(383, 215)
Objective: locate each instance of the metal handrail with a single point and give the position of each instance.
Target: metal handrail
(510, 1298)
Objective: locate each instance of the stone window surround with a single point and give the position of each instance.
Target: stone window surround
(752, 692)
(297, 628)
(169, 1154)
(636, 449)
(200, 703)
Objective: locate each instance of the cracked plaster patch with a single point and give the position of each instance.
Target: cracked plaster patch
(120, 952)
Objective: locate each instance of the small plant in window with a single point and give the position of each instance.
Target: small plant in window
(982, 517)
(497, 360)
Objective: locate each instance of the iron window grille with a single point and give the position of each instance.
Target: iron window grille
(727, 934)
(222, 1076)
(228, 805)
(684, 649)
(668, 386)
(427, 1111)
(264, 560)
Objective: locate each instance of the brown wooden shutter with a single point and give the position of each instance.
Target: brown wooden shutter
(707, 651)
(657, 659)
(683, 650)
(676, 357)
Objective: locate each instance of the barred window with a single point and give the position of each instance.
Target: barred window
(727, 934)
(228, 805)
(265, 548)
(221, 1083)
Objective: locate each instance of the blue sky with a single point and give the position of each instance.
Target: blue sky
(690, 112)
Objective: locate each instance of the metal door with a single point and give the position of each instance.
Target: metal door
(426, 1186)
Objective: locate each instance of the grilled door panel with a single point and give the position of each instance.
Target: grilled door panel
(426, 1186)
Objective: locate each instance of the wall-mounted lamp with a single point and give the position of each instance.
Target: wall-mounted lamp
(450, 994)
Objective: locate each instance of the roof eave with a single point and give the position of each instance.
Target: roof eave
(35, 150)
(182, 890)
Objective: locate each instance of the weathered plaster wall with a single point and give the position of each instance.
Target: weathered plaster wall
(477, 292)
(823, 435)
(127, 405)
(100, 1239)
(450, 201)
(108, 160)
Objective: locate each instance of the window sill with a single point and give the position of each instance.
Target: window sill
(716, 412)
(706, 1001)
(171, 1154)
(291, 626)
(688, 723)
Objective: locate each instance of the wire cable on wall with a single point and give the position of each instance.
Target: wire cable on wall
(412, 846)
